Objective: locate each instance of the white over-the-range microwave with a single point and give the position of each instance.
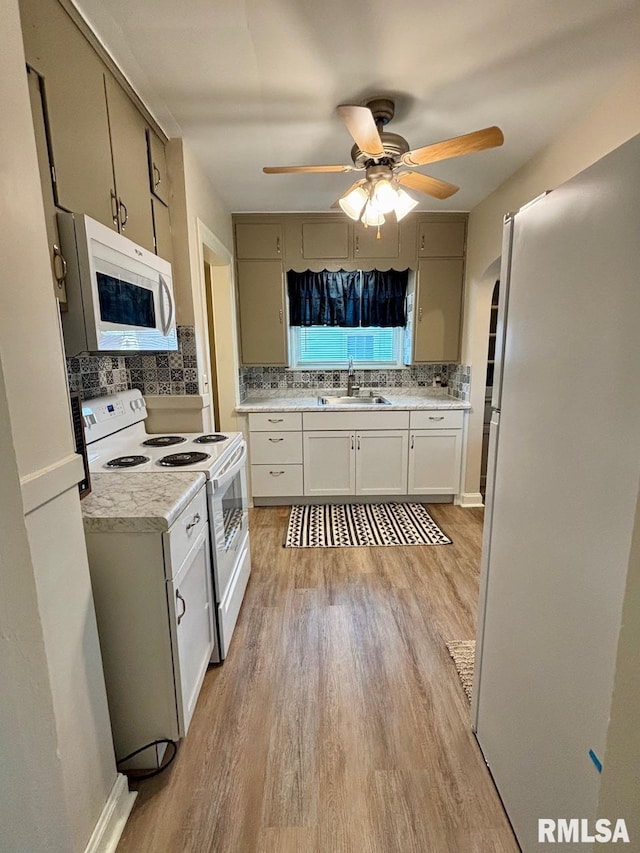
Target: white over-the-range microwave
(119, 295)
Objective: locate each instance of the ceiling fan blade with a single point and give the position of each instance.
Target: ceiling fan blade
(281, 170)
(361, 125)
(354, 186)
(488, 137)
(427, 184)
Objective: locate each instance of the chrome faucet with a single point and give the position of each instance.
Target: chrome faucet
(350, 377)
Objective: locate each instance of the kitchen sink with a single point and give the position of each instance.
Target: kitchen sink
(354, 401)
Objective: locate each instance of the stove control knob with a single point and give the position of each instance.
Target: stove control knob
(90, 419)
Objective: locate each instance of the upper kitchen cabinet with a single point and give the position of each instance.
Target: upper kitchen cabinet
(442, 239)
(437, 312)
(327, 240)
(127, 129)
(258, 241)
(76, 110)
(157, 160)
(373, 243)
(261, 298)
(162, 230)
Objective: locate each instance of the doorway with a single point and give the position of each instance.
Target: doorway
(488, 393)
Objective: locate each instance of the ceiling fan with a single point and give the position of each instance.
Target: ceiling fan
(384, 158)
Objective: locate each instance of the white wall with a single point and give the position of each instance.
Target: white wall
(612, 120)
(48, 623)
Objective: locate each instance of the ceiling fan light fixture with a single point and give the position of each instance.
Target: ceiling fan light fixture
(404, 204)
(372, 217)
(384, 196)
(353, 203)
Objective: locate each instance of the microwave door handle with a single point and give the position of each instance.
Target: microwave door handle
(231, 468)
(166, 324)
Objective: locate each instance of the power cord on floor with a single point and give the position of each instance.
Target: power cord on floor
(133, 775)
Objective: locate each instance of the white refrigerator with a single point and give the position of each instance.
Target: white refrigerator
(562, 483)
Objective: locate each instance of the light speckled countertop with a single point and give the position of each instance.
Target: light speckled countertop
(137, 503)
(399, 399)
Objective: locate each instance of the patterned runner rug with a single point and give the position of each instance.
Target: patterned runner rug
(354, 525)
(463, 653)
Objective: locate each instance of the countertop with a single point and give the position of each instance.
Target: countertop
(399, 399)
(137, 503)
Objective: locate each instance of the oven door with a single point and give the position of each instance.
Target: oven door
(230, 518)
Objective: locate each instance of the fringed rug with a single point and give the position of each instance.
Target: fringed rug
(356, 525)
(463, 653)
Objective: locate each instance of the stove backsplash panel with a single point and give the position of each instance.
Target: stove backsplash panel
(94, 375)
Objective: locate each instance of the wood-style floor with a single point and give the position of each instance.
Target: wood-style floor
(337, 723)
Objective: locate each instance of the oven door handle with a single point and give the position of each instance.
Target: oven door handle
(231, 468)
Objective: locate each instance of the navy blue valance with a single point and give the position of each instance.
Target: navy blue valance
(348, 298)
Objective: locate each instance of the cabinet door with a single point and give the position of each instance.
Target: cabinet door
(441, 239)
(129, 149)
(434, 462)
(263, 335)
(371, 243)
(158, 180)
(76, 108)
(325, 240)
(191, 615)
(438, 309)
(258, 240)
(58, 262)
(161, 230)
(381, 462)
(329, 463)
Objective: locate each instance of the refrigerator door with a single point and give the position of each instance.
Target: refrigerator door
(564, 494)
(494, 428)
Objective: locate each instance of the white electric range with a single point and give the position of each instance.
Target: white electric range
(117, 440)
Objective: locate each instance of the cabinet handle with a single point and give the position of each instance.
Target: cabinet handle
(184, 606)
(196, 519)
(357, 244)
(353, 445)
(413, 441)
(432, 418)
(59, 270)
(156, 180)
(278, 245)
(276, 473)
(420, 315)
(123, 220)
(114, 207)
(422, 244)
(275, 420)
(275, 440)
(280, 315)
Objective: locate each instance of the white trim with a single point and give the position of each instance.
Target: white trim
(471, 499)
(112, 820)
(47, 483)
(182, 401)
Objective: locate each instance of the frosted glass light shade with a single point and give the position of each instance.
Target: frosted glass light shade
(353, 203)
(404, 204)
(384, 196)
(371, 216)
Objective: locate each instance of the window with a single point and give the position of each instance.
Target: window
(333, 346)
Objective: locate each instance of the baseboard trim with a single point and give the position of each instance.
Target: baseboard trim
(350, 499)
(107, 832)
(471, 499)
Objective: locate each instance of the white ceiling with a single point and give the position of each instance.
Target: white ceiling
(256, 82)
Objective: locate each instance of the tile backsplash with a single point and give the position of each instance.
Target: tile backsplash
(94, 375)
(456, 376)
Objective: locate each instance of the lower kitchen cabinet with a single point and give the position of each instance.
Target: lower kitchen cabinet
(381, 462)
(329, 462)
(434, 461)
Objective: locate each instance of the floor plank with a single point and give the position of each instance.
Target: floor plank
(337, 723)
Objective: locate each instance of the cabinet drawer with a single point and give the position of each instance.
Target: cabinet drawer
(437, 419)
(270, 421)
(276, 480)
(186, 529)
(268, 448)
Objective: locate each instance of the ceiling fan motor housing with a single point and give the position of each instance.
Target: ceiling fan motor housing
(394, 147)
